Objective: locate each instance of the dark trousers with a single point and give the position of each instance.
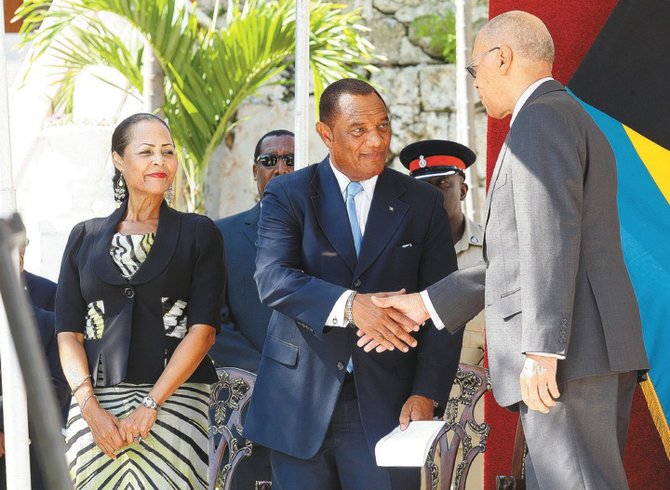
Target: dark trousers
(580, 443)
(344, 461)
(252, 469)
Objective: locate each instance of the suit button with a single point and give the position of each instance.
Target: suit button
(129, 292)
(340, 365)
(358, 283)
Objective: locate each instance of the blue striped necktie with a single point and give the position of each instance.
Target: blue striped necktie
(352, 189)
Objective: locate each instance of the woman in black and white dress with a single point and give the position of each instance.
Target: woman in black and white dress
(138, 307)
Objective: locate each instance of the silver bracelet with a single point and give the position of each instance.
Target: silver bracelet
(87, 377)
(349, 310)
(83, 405)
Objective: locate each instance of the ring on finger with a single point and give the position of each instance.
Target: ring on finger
(137, 438)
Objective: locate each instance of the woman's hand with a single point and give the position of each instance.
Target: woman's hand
(104, 427)
(138, 424)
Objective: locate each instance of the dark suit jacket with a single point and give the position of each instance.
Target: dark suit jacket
(555, 277)
(306, 260)
(42, 291)
(45, 322)
(134, 325)
(245, 319)
(46, 325)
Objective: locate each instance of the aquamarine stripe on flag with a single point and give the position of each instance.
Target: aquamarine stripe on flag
(645, 236)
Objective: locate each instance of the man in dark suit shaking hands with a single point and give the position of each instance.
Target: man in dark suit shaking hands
(329, 235)
(244, 318)
(562, 323)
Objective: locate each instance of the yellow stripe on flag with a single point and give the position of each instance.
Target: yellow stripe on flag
(657, 414)
(656, 159)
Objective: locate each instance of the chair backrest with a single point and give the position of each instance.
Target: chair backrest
(460, 430)
(230, 398)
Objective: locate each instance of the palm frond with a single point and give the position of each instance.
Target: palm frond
(208, 71)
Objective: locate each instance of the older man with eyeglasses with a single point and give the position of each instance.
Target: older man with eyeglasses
(244, 318)
(562, 323)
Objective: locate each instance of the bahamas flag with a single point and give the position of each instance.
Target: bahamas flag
(624, 84)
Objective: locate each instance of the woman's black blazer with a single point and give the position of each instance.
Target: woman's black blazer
(134, 325)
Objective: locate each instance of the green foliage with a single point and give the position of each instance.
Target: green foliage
(440, 31)
(208, 71)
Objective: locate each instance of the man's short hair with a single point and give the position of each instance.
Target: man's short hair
(329, 104)
(525, 32)
(274, 132)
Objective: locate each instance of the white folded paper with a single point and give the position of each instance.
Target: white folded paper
(408, 447)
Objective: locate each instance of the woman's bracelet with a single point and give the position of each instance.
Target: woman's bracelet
(86, 378)
(83, 405)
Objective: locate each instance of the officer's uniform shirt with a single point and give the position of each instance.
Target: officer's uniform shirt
(469, 252)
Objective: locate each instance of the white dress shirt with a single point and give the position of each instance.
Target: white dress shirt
(362, 200)
(524, 97)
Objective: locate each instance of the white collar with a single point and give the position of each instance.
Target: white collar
(343, 182)
(525, 95)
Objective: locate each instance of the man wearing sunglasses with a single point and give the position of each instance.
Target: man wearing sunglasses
(244, 318)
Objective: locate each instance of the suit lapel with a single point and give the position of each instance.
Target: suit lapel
(494, 179)
(548, 86)
(167, 236)
(250, 229)
(386, 214)
(331, 213)
(106, 268)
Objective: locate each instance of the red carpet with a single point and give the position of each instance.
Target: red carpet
(574, 25)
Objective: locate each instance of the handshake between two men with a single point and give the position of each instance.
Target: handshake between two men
(385, 322)
(398, 314)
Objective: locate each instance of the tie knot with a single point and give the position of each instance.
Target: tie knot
(354, 188)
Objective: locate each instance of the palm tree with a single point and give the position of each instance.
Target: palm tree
(208, 70)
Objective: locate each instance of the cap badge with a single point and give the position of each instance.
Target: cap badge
(422, 162)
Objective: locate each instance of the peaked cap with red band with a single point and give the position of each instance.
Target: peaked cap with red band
(435, 158)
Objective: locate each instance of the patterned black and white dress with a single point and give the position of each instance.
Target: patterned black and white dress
(174, 456)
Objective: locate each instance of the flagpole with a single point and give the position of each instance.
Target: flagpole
(301, 123)
(464, 101)
(15, 409)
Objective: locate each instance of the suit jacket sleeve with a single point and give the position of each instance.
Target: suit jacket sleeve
(231, 343)
(46, 326)
(70, 305)
(438, 350)
(459, 297)
(208, 280)
(282, 284)
(547, 180)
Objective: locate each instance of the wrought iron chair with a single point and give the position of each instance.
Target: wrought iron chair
(461, 429)
(230, 397)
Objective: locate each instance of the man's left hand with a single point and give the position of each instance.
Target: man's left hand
(416, 407)
(539, 390)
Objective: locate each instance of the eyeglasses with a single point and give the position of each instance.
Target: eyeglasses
(269, 160)
(472, 67)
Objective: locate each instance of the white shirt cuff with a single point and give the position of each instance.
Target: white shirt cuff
(431, 310)
(546, 354)
(336, 317)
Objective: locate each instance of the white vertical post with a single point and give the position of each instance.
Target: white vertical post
(464, 101)
(301, 83)
(7, 195)
(15, 409)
